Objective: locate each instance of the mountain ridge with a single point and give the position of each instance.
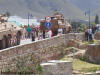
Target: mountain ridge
(40, 8)
(72, 9)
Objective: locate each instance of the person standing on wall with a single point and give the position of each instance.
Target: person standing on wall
(90, 34)
(33, 34)
(49, 33)
(43, 34)
(93, 30)
(36, 33)
(86, 34)
(29, 29)
(60, 31)
(24, 33)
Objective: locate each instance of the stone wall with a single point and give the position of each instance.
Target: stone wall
(44, 50)
(97, 36)
(75, 36)
(56, 67)
(93, 53)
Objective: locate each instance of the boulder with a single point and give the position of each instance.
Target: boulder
(82, 46)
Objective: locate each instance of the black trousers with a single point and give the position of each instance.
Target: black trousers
(90, 37)
(33, 38)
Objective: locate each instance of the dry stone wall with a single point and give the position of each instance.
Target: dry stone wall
(93, 53)
(56, 67)
(44, 50)
(97, 36)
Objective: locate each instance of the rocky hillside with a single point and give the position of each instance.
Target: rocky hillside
(40, 8)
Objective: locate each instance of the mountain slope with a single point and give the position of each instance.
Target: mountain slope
(86, 4)
(40, 8)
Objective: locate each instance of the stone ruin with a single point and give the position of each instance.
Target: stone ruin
(57, 67)
(93, 53)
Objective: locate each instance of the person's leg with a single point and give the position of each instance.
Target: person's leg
(28, 35)
(32, 38)
(23, 36)
(89, 37)
(85, 37)
(92, 36)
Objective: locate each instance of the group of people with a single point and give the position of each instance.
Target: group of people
(89, 33)
(28, 33)
(33, 32)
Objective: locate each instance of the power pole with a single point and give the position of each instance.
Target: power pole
(89, 17)
(28, 19)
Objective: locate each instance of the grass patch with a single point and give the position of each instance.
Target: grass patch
(91, 42)
(82, 66)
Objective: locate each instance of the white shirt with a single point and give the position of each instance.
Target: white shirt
(90, 31)
(24, 30)
(60, 30)
(49, 33)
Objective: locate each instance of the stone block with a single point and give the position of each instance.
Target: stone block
(48, 68)
(57, 67)
(90, 73)
(97, 72)
(71, 43)
(82, 46)
(93, 53)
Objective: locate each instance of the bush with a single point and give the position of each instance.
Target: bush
(27, 65)
(83, 58)
(91, 42)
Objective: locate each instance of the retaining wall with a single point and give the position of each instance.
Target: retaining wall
(44, 50)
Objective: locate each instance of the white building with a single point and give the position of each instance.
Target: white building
(20, 21)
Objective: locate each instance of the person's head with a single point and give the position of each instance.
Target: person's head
(87, 27)
(47, 29)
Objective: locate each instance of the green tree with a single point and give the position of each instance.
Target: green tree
(75, 25)
(96, 19)
(7, 13)
(82, 28)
